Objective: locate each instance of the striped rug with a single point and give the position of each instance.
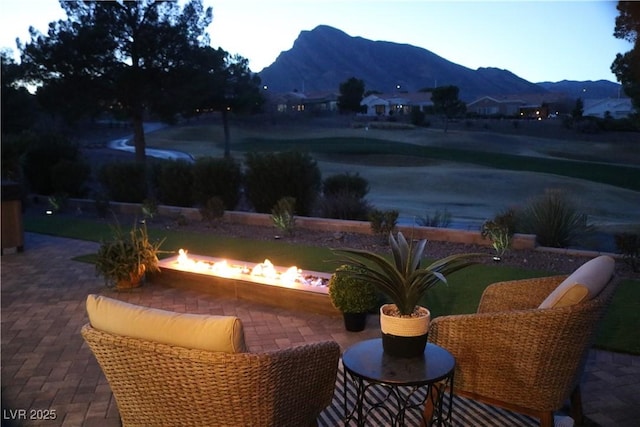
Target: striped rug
(465, 412)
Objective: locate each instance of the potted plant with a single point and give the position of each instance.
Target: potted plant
(125, 258)
(404, 282)
(352, 296)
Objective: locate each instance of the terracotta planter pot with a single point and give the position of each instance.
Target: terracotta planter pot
(404, 336)
(134, 280)
(355, 322)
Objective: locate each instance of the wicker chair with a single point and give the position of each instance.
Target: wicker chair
(161, 385)
(516, 356)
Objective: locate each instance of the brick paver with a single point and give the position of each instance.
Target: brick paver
(48, 371)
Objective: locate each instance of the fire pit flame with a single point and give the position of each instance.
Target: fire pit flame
(265, 270)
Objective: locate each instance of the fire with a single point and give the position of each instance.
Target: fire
(263, 271)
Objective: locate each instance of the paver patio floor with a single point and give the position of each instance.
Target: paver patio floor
(48, 370)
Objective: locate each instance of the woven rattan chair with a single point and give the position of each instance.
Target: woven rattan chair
(161, 385)
(514, 355)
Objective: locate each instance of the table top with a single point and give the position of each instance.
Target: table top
(367, 360)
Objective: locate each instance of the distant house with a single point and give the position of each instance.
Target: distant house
(490, 106)
(297, 102)
(531, 106)
(616, 108)
(385, 104)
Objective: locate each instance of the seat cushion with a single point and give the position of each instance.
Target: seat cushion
(193, 331)
(583, 284)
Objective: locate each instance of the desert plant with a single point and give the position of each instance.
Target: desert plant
(283, 215)
(628, 244)
(149, 208)
(57, 202)
(554, 218)
(349, 294)
(402, 280)
(126, 256)
(439, 219)
(499, 230)
(383, 222)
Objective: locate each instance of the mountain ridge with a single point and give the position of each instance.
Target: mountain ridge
(322, 58)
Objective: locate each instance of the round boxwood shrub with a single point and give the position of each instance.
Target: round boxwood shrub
(349, 294)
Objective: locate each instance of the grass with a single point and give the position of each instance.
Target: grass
(617, 175)
(619, 330)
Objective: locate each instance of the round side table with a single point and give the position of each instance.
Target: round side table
(415, 384)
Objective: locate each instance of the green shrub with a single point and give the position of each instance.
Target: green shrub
(628, 245)
(271, 176)
(554, 218)
(383, 223)
(344, 206)
(13, 148)
(346, 183)
(43, 154)
(124, 182)
(220, 178)
(102, 205)
(283, 215)
(344, 197)
(70, 177)
(175, 183)
(349, 294)
(212, 210)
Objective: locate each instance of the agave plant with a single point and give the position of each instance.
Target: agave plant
(402, 280)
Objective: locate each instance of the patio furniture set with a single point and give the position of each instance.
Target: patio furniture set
(524, 350)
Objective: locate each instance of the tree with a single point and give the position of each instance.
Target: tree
(18, 105)
(626, 66)
(578, 109)
(445, 101)
(127, 57)
(351, 92)
(226, 85)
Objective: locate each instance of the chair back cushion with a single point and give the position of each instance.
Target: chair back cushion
(583, 284)
(193, 331)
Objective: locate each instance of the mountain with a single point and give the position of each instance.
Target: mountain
(324, 57)
(585, 90)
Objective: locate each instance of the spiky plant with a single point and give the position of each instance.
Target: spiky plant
(402, 280)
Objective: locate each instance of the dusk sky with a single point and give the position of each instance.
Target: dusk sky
(538, 41)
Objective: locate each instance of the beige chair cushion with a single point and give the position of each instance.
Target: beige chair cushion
(583, 284)
(193, 331)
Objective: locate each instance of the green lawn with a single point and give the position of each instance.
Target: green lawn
(618, 175)
(620, 330)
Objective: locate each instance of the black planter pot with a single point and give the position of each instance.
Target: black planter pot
(355, 322)
(397, 346)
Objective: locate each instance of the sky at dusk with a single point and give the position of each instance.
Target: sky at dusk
(537, 40)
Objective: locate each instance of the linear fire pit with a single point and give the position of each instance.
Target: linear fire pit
(263, 283)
